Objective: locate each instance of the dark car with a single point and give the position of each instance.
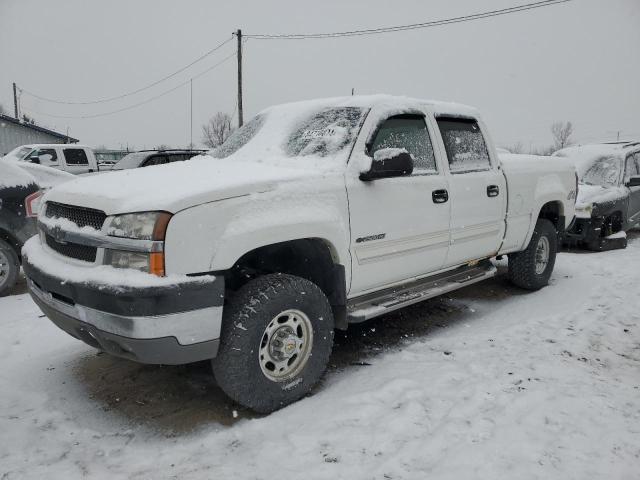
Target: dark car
(608, 202)
(147, 158)
(19, 201)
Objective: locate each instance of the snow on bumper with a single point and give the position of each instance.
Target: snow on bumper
(171, 320)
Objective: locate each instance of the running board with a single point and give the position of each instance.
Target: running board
(360, 309)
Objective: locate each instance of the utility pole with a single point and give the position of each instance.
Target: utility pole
(15, 100)
(191, 115)
(239, 35)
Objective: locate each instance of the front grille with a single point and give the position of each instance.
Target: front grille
(72, 250)
(81, 216)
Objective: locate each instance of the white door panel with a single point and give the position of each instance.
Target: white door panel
(397, 231)
(477, 220)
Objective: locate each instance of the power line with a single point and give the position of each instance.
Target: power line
(133, 92)
(143, 102)
(399, 28)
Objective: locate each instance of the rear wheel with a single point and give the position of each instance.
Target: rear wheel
(277, 336)
(9, 267)
(532, 268)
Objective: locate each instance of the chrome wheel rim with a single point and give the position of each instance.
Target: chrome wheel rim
(285, 346)
(4, 268)
(542, 255)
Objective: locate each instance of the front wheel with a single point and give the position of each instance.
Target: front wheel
(532, 268)
(9, 268)
(277, 336)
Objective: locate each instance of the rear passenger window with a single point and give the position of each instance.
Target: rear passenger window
(408, 132)
(75, 156)
(464, 144)
(155, 160)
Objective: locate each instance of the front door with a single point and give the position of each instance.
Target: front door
(477, 192)
(398, 230)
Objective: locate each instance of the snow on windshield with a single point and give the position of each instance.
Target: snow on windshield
(295, 130)
(604, 172)
(132, 160)
(18, 153)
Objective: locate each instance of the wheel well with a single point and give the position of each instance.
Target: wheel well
(309, 258)
(553, 212)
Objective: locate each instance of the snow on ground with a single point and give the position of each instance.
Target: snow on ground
(490, 382)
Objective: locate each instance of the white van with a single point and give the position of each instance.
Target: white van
(72, 158)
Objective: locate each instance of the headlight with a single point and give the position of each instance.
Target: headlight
(584, 211)
(141, 226)
(138, 226)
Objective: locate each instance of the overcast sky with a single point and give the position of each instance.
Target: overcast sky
(577, 61)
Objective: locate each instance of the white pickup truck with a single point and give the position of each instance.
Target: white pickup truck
(71, 158)
(311, 216)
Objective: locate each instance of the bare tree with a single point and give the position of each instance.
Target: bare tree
(517, 147)
(162, 146)
(1, 108)
(561, 132)
(217, 130)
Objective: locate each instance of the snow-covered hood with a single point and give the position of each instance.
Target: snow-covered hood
(588, 194)
(175, 186)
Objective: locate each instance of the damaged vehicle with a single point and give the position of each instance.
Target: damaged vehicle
(312, 216)
(608, 203)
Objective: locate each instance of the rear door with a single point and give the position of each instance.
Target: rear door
(477, 190)
(76, 160)
(399, 226)
(632, 169)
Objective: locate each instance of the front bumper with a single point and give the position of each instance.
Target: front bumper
(173, 324)
(584, 230)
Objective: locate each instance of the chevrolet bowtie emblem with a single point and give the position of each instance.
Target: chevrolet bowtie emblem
(57, 234)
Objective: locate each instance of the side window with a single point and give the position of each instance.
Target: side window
(464, 144)
(408, 132)
(155, 160)
(51, 158)
(636, 162)
(75, 156)
(630, 169)
(180, 157)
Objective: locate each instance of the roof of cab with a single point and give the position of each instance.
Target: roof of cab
(384, 101)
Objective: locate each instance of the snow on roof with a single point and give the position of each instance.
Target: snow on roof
(379, 101)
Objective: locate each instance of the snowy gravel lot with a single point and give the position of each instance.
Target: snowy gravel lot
(488, 383)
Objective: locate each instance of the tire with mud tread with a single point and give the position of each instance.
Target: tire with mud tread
(9, 268)
(532, 268)
(267, 319)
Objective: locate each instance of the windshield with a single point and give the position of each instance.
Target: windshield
(133, 160)
(19, 153)
(319, 133)
(604, 172)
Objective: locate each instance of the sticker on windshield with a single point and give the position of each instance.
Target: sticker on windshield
(324, 132)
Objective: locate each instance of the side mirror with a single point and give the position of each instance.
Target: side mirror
(34, 159)
(634, 182)
(389, 162)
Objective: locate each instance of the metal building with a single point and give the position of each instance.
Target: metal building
(14, 133)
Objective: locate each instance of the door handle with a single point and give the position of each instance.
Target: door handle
(493, 191)
(440, 196)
